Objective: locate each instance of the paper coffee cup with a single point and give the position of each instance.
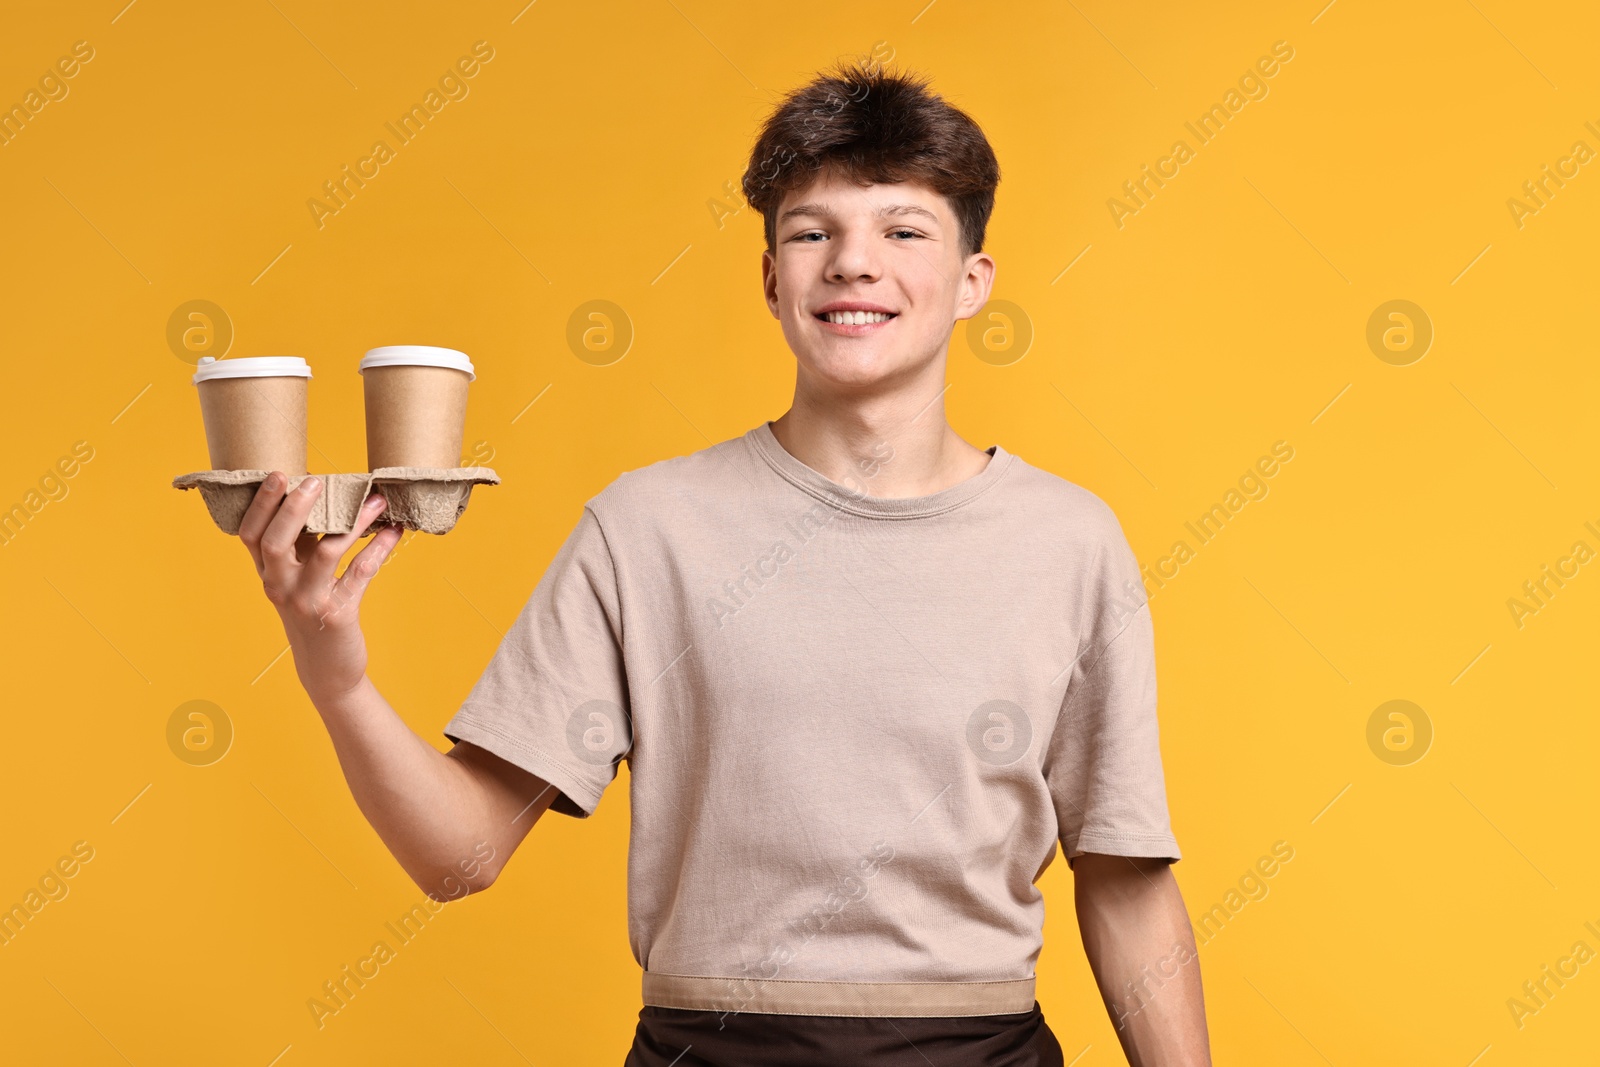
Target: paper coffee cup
(416, 402)
(255, 412)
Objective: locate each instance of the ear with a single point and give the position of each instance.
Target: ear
(769, 282)
(977, 282)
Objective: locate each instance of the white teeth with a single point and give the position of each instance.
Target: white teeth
(856, 318)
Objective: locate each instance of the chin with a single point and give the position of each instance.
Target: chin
(853, 371)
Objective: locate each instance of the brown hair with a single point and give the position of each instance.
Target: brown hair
(869, 125)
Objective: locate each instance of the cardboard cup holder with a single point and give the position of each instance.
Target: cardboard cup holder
(429, 499)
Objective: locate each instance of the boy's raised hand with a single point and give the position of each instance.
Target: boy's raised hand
(320, 611)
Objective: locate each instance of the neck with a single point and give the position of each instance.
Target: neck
(898, 443)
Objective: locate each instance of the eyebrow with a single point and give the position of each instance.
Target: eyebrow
(822, 211)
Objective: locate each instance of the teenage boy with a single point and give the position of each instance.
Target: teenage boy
(866, 676)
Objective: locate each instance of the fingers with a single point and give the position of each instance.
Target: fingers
(321, 563)
(353, 583)
(260, 512)
(305, 545)
(277, 541)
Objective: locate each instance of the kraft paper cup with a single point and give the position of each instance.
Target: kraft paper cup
(255, 412)
(416, 404)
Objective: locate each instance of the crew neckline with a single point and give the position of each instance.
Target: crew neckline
(818, 485)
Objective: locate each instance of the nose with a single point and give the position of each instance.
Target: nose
(854, 256)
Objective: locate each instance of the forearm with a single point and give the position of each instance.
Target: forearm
(417, 798)
(429, 809)
(1141, 948)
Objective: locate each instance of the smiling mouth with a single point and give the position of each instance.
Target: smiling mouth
(855, 318)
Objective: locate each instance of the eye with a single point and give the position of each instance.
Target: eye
(913, 233)
(809, 233)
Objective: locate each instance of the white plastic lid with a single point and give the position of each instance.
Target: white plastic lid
(210, 367)
(417, 356)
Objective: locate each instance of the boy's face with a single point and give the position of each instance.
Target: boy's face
(893, 247)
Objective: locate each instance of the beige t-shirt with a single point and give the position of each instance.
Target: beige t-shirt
(856, 727)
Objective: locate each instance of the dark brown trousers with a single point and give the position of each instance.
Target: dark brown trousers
(675, 1037)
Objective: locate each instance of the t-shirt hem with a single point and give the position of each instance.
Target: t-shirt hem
(465, 727)
(773, 996)
(1143, 846)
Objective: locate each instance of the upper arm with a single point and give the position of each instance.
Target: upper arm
(554, 698)
(512, 800)
(1099, 872)
(1126, 896)
(1103, 757)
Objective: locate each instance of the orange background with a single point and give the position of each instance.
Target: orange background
(587, 162)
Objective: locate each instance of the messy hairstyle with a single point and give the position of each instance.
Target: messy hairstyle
(872, 126)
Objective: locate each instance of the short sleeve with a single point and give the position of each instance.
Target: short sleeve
(553, 700)
(1103, 760)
